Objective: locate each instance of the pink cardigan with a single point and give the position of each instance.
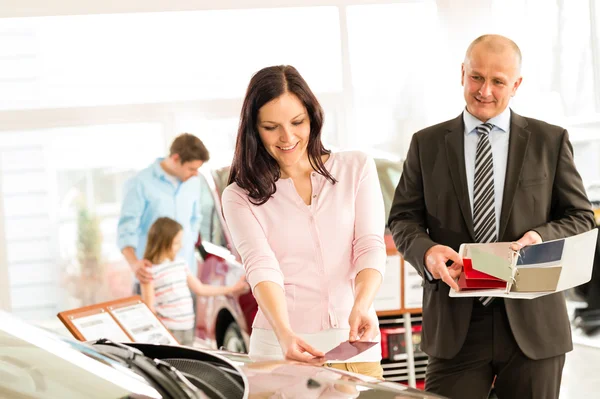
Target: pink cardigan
(313, 252)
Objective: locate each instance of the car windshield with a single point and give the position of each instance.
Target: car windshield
(36, 363)
(221, 176)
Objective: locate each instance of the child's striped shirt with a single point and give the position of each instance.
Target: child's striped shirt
(172, 296)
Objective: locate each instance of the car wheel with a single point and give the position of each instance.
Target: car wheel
(233, 340)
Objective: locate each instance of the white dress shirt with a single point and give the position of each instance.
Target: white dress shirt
(499, 142)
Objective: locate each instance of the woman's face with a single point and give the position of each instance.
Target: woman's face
(284, 129)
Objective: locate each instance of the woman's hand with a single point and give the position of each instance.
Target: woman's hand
(294, 348)
(363, 326)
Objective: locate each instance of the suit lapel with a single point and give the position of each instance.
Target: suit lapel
(517, 148)
(455, 153)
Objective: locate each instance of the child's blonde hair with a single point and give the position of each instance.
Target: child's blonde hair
(160, 239)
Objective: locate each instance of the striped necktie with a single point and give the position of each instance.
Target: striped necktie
(484, 210)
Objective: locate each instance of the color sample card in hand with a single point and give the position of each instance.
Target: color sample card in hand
(347, 350)
(536, 270)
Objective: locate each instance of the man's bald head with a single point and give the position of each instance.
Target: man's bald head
(490, 75)
(496, 44)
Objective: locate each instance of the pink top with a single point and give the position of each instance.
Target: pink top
(313, 252)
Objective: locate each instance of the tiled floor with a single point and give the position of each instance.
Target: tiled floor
(580, 376)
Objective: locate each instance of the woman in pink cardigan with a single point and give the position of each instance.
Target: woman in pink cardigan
(308, 224)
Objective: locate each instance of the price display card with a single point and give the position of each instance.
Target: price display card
(122, 320)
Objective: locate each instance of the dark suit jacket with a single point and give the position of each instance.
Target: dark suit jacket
(543, 192)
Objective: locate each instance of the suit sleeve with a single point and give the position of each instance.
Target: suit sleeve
(407, 219)
(571, 210)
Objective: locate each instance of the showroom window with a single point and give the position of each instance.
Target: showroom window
(74, 96)
(405, 61)
(385, 60)
(61, 193)
(177, 79)
(557, 56)
(68, 61)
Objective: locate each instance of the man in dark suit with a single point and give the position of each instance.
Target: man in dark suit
(488, 175)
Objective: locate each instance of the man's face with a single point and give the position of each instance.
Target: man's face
(186, 170)
(490, 79)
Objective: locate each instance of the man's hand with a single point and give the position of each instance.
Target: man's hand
(363, 326)
(529, 238)
(141, 268)
(435, 261)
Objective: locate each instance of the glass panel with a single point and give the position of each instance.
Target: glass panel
(17, 160)
(61, 212)
(588, 164)
(72, 187)
(105, 186)
(25, 182)
(557, 69)
(575, 63)
(93, 163)
(45, 295)
(18, 206)
(25, 228)
(405, 62)
(30, 251)
(194, 55)
(384, 51)
(32, 273)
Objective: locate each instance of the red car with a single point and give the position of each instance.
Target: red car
(222, 321)
(227, 321)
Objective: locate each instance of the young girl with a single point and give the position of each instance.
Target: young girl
(168, 293)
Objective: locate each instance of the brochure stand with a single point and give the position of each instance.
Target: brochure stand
(122, 320)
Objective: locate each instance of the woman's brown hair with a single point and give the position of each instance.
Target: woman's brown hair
(253, 168)
(160, 239)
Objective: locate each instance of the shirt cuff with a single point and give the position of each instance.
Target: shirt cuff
(128, 241)
(428, 275)
(258, 276)
(375, 259)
